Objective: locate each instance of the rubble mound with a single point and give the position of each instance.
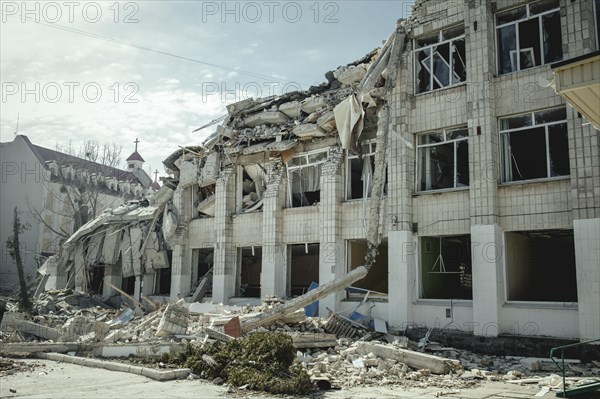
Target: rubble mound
(262, 361)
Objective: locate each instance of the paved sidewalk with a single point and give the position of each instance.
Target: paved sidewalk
(69, 381)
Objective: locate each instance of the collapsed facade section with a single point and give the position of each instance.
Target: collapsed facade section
(481, 198)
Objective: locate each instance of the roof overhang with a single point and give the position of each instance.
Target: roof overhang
(578, 81)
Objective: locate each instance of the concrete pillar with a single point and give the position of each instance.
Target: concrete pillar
(332, 251)
(181, 272)
(587, 258)
(137, 288)
(79, 268)
(112, 275)
(487, 243)
(274, 252)
(225, 250)
(402, 261)
(148, 283)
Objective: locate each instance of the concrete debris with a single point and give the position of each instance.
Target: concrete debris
(369, 358)
(174, 321)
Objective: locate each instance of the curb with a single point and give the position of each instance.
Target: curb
(167, 375)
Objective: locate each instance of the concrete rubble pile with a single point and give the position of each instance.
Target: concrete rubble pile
(374, 359)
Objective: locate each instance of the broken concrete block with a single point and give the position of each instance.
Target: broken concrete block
(224, 131)
(308, 130)
(210, 170)
(350, 74)
(327, 122)
(16, 321)
(313, 103)
(236, 108)
(188, 173)
(416, 360)
(291, 109)
(78, 326)
(174, 321)
(266, 118)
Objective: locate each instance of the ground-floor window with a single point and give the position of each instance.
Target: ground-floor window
(541, 266)
(304, 267)
(249, 270)
(377, 279)
(446, 271)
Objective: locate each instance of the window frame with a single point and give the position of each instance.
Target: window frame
(516, 22)
(372, 145)
(455, 164)
(534, 125)
(289, 203)
(440, 42)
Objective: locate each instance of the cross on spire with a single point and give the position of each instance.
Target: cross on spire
(155, 175)
(136, 143)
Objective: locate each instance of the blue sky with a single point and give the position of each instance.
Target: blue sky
(70, 86)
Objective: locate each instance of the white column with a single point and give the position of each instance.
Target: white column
(402, 260)
(587, 260)
(487, 243)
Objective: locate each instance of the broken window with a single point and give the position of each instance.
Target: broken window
(304, 178)
(359, 173)
(541, 266)
(251, 187)
(440, 60)
(304, 267)
(128, 285)
(535, 145)
(377, 279)
(250, 268)
(443, 159)
(446, 267)
(529, 36)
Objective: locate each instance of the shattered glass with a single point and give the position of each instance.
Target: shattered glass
(507, 47)
(552, 37)
(423, 72)
(441, 65)
(550, 115)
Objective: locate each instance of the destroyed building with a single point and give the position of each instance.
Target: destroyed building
(55, 193)
(483, 182)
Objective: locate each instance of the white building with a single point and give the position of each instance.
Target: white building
(490, 217)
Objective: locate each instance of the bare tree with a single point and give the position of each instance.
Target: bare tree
(14, 249)
(78, 197)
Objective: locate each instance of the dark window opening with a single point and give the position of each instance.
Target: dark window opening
(535, 145)
(541, 266)
(162, 277)
(446, 268)
(304, 267)
(529, 36)
(443, 160)
(250, 261)
(96, 276)
(304, 179)
(128, 285)
(377, 279)
(440, 60)
(359, 173)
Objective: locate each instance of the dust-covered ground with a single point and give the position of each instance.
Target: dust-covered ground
(46, 379)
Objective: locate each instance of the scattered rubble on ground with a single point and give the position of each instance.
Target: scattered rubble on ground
(10, 366)
(70, 322)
